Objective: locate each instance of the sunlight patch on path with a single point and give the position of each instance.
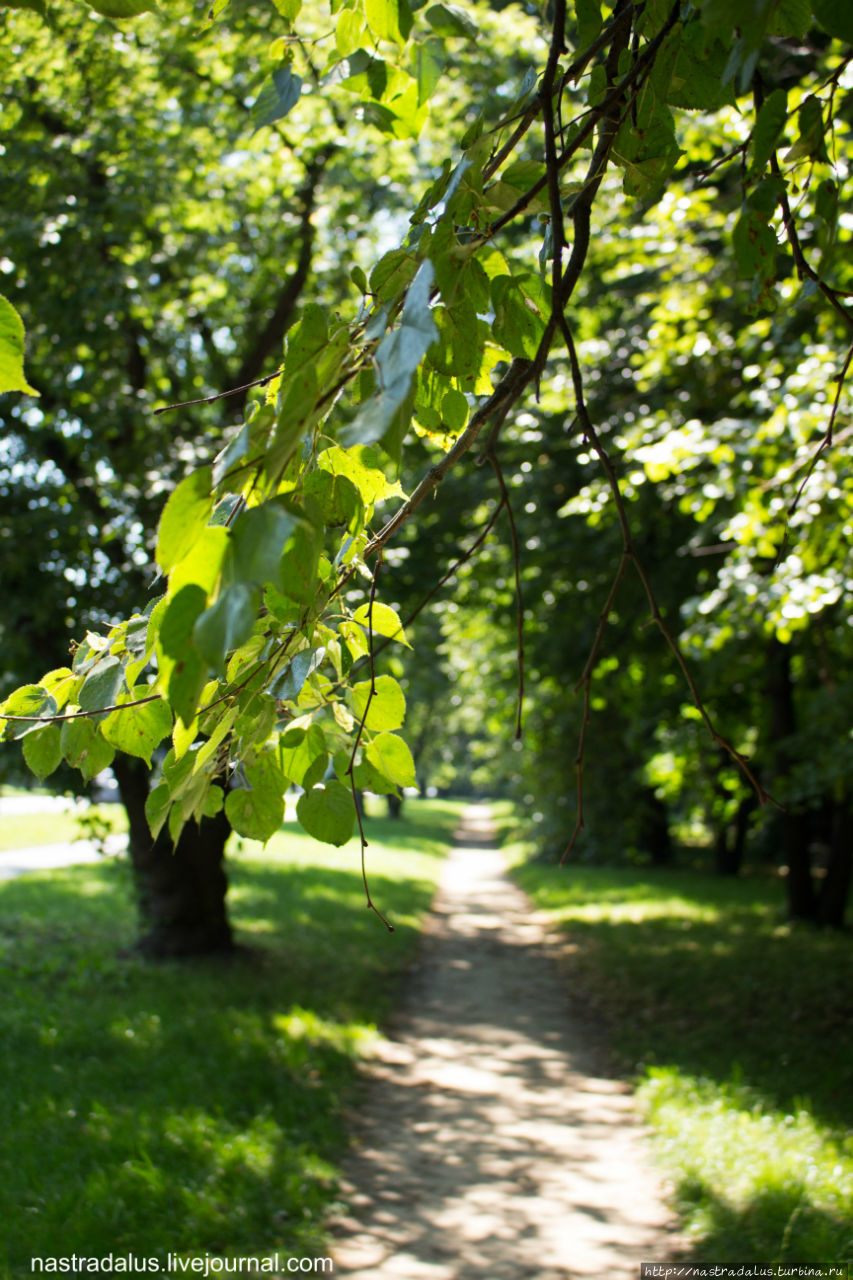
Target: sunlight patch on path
(487, 1145)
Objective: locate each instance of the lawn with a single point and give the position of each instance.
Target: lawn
(197, 1107)
(26, 830)
(738, 1030)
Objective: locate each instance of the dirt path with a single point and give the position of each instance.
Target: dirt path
(487, 1146)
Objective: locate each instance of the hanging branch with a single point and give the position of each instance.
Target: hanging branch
(371, 905)
(519, 601)
(826, 441)
(630, 554)
(220, 395)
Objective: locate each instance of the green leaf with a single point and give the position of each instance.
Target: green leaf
(427, 66)
(836, 17)
(258, 813)
(278, 97)
(258, 540)
(769, 124)
(338, 499)
(811, 143)
(518, 327)
(31, 700)
(121, 8)
(298, 574)
(12, 350)
(389, 19)
(367, 778)
(361, 466)
(327, 812)
(289, 9)
(790, 18)
(392, 273)
(179, 618)
(397, 358)
(202, 564)
(186, 682)
(182, 672)
(101, 686)
(589, 21)
(452, 20)
(349, 32)
(459, 350)
(391, 756)
(138, 730)
(214, 799)
(299, 751)
(256, 721)
(383, 620)
(43, 750)
(385, 710)
(60, 684)
(231, 456)
(184, 517)
(226, 624)
(38, 6)
(289, 685)
(755, 245)
(157, 806)
(84, 748)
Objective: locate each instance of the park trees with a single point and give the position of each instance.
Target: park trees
(640, 224)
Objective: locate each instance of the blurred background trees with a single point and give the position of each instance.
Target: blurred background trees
(159, 249)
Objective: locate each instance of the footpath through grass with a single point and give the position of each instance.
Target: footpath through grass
(739, 1030)
(197, 1107)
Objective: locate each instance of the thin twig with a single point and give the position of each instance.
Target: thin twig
(220, 395)
(79, 715)
(519, 600)
(585, 683)
(457, 564)
(504, 396)
(630, 554)
(371, 905)
(602, 111)
(826, 442)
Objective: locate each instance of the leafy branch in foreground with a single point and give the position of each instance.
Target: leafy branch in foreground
(248, 659)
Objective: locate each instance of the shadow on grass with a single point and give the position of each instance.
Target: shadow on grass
(803, 1234)
(196, 1106)
(701, 973)
(742, 1026)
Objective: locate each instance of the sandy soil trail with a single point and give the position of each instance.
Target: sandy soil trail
(489, 1143)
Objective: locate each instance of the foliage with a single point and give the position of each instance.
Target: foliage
(205, 1114)
(737, 1029)
(268, 552)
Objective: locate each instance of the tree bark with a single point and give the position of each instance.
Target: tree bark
(654, 837)
(180, 889)
(793, 826)
(834, 891)
(731, 839)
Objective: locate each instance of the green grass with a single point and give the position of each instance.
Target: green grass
(195, 1107)
(25, 830)
(738, 1030)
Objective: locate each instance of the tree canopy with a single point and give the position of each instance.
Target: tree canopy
(620, 287)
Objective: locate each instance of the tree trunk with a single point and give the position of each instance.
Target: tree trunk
(395, 806)
(180, 889)
(654, 837)
(834, 891)
(731, 840)
(793, 827)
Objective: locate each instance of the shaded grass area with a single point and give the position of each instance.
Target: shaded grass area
(193, 1107)
(738, 1029)
(26, 830)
